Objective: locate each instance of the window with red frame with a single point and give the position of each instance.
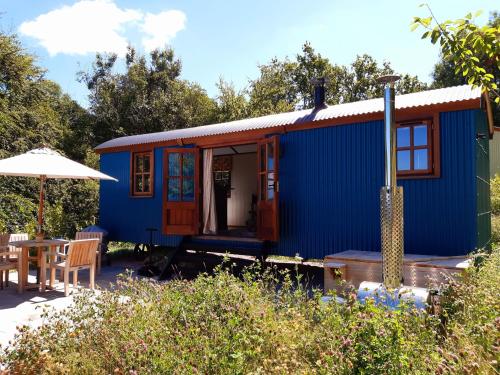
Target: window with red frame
(414, 148)
(142, 173)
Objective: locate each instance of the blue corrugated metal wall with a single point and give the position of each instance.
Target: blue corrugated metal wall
(329, 193)
(329, 188)
(440, 214)
(127, 218)
(330, 180)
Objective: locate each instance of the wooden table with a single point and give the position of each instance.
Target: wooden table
(25, 247)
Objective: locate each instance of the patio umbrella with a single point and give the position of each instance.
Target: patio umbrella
(45, 163)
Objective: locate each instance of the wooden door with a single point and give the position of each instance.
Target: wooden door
(181, 172)
(268, 195)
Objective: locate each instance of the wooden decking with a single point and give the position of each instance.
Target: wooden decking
(210, 237)
(225, 244)
(354, 266)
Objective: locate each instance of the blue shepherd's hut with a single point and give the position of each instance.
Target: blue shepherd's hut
(307, 182)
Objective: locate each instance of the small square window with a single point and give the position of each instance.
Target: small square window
(414, 148)
(142, 174)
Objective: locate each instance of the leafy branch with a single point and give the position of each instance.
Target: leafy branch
(474, 50)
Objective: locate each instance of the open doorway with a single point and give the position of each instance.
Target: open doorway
(235, 189)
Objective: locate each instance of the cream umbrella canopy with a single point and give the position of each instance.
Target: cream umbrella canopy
(45, 163)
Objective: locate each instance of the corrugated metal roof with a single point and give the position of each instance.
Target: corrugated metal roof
(419, 99)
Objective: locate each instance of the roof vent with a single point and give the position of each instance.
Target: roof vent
(319, 92)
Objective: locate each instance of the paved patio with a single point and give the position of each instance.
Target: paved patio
(17, 309)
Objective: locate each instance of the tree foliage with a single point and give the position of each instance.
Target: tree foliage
(285, 85)
(473, 50)
(231, 104)
(34, 112)
(444, 71)
(149, 96)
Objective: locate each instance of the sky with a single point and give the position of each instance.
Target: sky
(225, 38)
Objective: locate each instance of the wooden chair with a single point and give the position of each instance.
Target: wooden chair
(81, 255)
(9, 260)
(15, 251)
(88, 235)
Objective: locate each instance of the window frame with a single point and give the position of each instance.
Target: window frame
(433, 168)
(134, 174)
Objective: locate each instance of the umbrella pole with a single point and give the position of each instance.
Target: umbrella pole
(40, 206)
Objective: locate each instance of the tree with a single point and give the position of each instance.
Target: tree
(311, 64)
(285, 85)
(360, 82)
(444, 75)
(148, 97)
(35, 112)
(473, 50)
(274, 91)
(28, 117)
(231, 104)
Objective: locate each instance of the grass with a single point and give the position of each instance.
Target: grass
(120, 251)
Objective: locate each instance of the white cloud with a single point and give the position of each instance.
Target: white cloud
(90, 26)
(161, 28)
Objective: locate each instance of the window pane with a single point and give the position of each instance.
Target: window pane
(403, 137)
(146, 166)
(270, 186)
(188, 164)
(187, 190)
(270, 157)
(420, 135)
(420, 159)
(263, 187)
(262, 157)
(147, 183)
(403, 160)
(138, 163)
(138, 183)
(174, 189)
(173, 164)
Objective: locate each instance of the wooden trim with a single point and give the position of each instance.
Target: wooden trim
(250, 136)
(489, 114)
(132, 192)
(266, 206)
(436, 145)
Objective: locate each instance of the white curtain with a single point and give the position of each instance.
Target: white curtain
(209, 214)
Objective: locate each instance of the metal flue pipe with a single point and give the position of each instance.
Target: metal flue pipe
(389, 129)
(391, 196)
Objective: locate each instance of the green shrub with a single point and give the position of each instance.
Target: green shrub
(17, 214)
(261, 323)
(495, 229)
(222, 324)
(495, 195)
(472, 309)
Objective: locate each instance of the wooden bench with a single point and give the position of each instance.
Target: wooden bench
(418, 270)
(335, 273)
